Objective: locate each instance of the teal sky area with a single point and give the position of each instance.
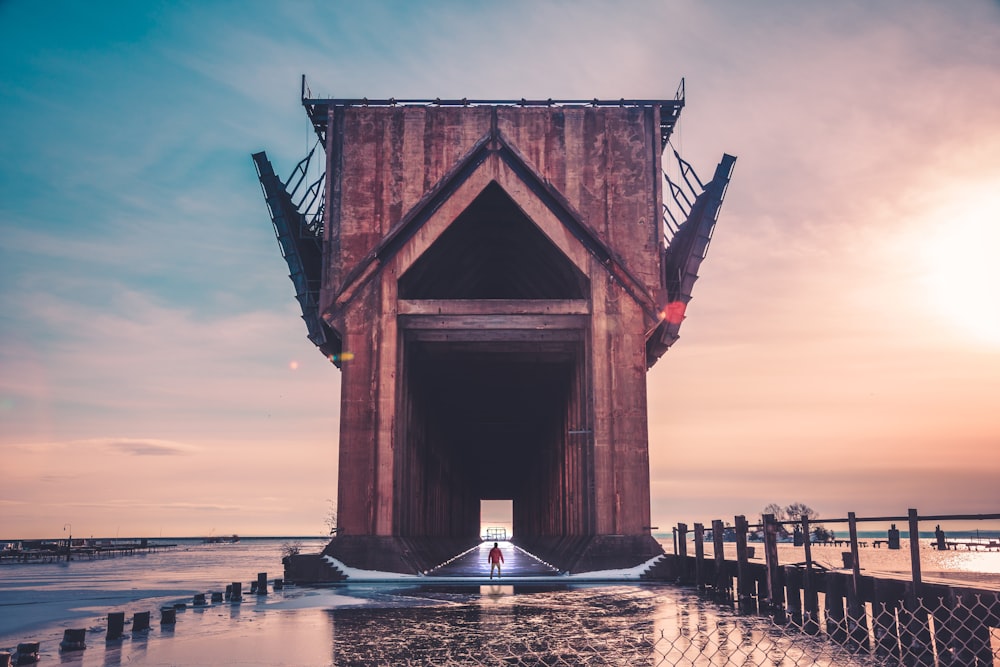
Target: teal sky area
(842, 348)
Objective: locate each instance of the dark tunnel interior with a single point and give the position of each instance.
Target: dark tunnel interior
(485, 412)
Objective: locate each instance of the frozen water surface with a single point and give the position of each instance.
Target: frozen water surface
(388, 623)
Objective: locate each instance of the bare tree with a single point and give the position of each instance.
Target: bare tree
(794, 512)
(331, 517)
(799, 510)
(777, 510)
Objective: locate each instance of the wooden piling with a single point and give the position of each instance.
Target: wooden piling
(914, 631)
(723, 581)
(857, 619)
(744, 581)
(810, 596)
(27, 653)
(914, 555)
(168, 615)
(74, 639)
(836, 625)
(699, 556)
(262, 583)
(886, 596)
(140, 621)
(775, 587)
(116, 625)
(216, 596)
(682, 574)
(793, 593)
(237, 592)
(893, 537)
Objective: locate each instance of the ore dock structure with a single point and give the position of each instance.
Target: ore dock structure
(493, 278)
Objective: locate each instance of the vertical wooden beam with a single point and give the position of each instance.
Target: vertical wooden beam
(775, 588)
(885, 605)
(857, 619)
(682, 568)
(810, 596)
(723, 582)
(744, 582)
(699, 555)
(914, 554)
(836, 625)
(793, 593)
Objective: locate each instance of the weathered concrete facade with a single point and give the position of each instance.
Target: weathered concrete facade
(494, 275)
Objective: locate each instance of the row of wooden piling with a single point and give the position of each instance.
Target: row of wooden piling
(74, 639)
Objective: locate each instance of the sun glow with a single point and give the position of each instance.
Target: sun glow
(962, 263)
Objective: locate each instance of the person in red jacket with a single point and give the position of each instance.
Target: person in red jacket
(495, 558)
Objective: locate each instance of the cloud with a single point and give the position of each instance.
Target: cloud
(132, 503)
(148, 447)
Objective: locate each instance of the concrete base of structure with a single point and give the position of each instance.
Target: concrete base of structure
(310, 569)
(417, 555)
(575, 554)
(405, 555)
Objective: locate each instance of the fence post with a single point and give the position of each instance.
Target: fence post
(835, 607)
(682, 552)
(916, 638)
(699, 556)
(885, 604)
(116, 625)
(723, 582)
(793, 593)
(914, 555)
(857, 619)
(775, 589)
(810, 597)
(744, 583)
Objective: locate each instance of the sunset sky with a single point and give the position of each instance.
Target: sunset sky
(842, 348)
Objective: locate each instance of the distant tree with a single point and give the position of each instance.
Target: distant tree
(794, 512)
(289, 549)
(822, 534)
(799, 510)
(777, 510)
(779, 515)
(331, 517)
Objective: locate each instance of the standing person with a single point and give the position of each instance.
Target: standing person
(495, 558)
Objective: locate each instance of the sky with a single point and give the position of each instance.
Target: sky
(842, 348)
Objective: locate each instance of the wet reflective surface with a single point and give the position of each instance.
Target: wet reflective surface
(467, 623)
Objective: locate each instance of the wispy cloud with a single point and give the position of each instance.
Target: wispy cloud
(148, 447)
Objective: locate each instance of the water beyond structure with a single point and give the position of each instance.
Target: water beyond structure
(392, 624)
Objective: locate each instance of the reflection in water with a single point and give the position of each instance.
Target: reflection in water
(567, 625)
(601, 625)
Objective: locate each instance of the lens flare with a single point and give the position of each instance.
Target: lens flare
(673, 312)
(293, 365)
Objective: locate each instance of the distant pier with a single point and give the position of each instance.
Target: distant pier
(54, 551)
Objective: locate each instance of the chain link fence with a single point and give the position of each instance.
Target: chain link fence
(693, 632)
